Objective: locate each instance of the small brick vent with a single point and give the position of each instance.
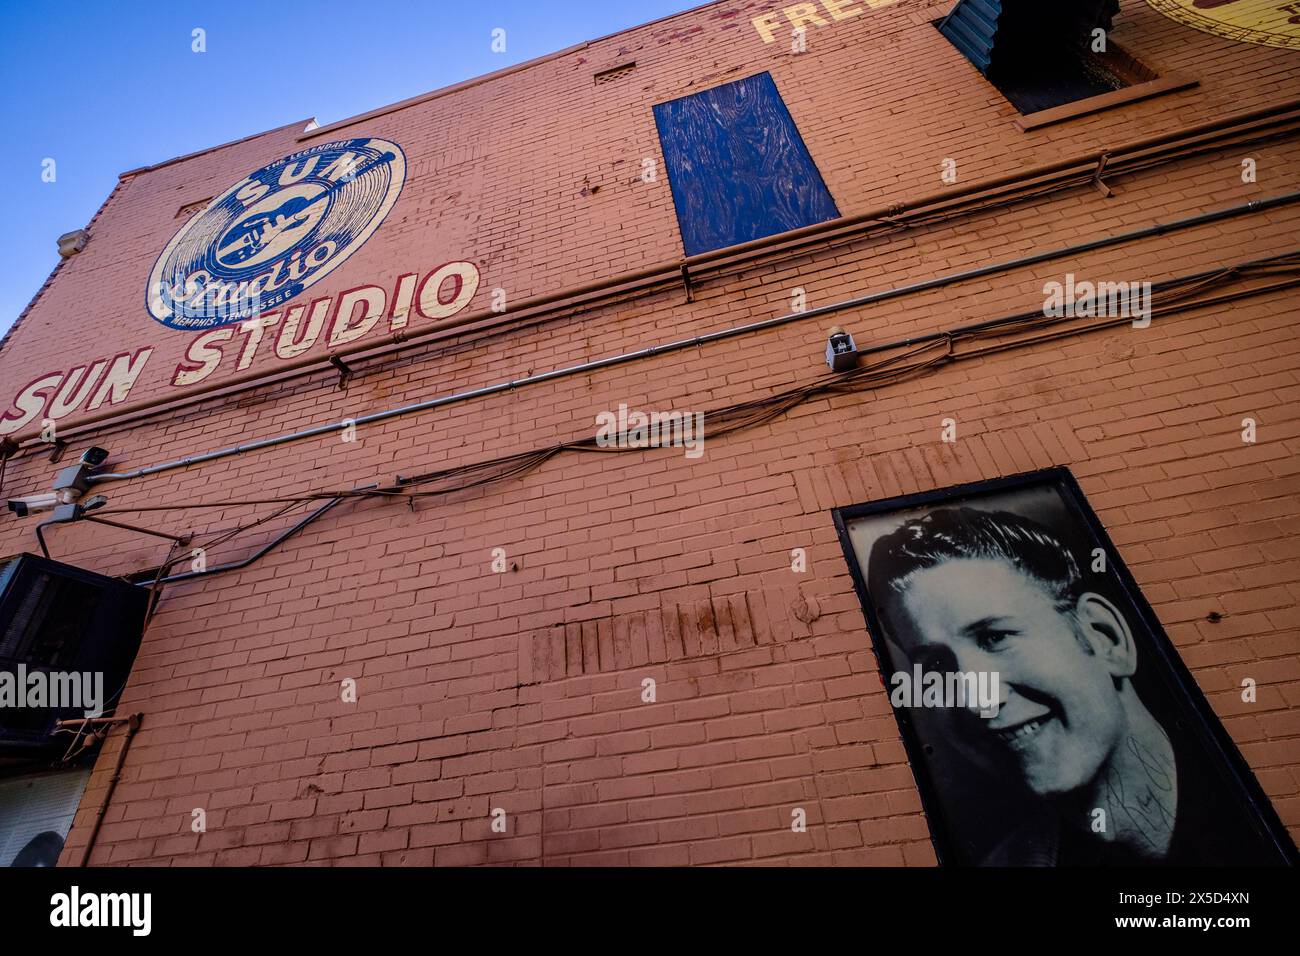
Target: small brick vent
(191, 208)
(614, 73)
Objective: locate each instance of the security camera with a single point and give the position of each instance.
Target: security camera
(75, 480)
(31, 504)
(70, 484)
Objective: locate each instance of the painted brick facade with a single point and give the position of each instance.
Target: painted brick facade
(522, 690)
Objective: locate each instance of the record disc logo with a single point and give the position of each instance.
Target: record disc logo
(1270, 22)
(274, 233)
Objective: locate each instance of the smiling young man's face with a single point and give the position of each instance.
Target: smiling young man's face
(1061, 716)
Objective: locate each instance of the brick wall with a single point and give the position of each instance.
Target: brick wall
(523, 690)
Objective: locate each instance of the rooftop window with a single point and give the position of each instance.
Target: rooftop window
(1042, 55)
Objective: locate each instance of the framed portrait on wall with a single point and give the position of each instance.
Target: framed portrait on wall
(1095, 745)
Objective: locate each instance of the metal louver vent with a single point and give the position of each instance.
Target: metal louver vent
(993, 33)
(62, 620)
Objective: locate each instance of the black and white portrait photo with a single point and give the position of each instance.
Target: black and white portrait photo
(1098, 749)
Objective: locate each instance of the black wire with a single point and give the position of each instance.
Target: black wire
(749, 414)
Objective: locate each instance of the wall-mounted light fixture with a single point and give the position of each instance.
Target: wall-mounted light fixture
(841, 351)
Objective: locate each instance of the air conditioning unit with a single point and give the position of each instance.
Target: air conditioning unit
(60, 624)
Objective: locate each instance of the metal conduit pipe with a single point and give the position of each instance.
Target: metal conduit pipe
(666, 272)
(871, 298)
(132, 727)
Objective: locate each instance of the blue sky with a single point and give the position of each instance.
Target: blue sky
(103, 87)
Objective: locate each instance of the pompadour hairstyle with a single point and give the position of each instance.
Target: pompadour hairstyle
(950, 533)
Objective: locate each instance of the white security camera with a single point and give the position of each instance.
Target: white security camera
(31, 504)
(70, 484)
(94, 456)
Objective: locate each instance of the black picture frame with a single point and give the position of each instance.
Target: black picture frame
(1207, 726)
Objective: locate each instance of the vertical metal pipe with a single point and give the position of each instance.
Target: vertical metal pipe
(132, 725)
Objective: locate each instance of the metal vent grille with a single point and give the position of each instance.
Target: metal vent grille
(49, 622)
(70, 623)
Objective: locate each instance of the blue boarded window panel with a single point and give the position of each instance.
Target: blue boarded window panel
(738, 167)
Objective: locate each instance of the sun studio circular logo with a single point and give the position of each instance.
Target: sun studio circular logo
(1270, 22)
(274, 233)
